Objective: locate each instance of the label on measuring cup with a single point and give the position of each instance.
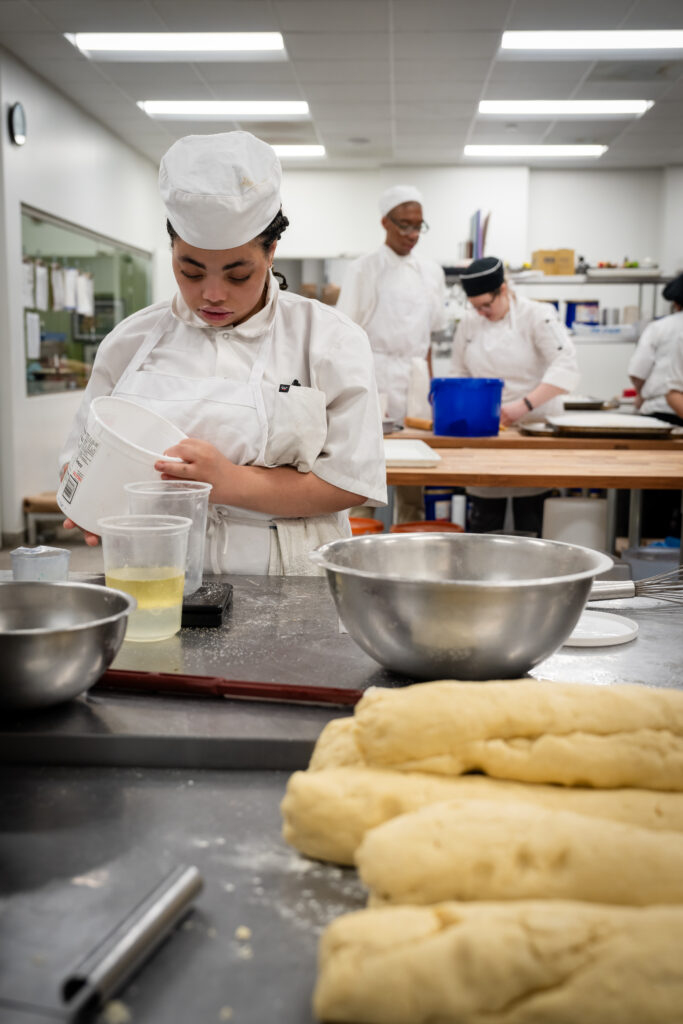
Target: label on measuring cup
(87, 449)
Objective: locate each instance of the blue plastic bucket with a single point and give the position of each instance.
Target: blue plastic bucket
(466, 406)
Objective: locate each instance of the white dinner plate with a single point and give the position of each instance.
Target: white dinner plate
(600, 629)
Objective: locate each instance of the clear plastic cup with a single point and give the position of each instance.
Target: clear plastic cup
(145, 556)
(177, 498)
(41, 563)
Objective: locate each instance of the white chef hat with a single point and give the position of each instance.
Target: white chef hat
(396, 195)
(220, 190)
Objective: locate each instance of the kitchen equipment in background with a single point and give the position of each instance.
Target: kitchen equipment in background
(177, 498)
(582, 311)
(610, 316)
(466, 406)
(587, 403)
(600, 629)
(576, 521)
(459, 605)
(426, 526)
(409, 452)
(40, 563)
(665, 586)
(648, 561)
(459, 508)
(56, 639)
(145, 556)
(121, 443)
(437, 502)
(360, 525)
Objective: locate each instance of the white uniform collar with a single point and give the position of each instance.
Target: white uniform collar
(396, 260)
(251, 328)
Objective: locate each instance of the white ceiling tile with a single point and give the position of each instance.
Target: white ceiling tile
(99, 16)
(560, 14)
(456, 72)
(342, 70)
(331, 111)
(216, 15)
(442, 109)
(438, 89)
(655, 14)
(331, 16)
(492, 134)
(337, 46)
(36, 46)
(430, 46)
(447, 16)
(347, 92)
(17, 16)
(235, 73)
(569, 73)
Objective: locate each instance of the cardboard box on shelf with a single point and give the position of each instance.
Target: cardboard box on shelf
(310, 291)
(329, 294)
(553, 261)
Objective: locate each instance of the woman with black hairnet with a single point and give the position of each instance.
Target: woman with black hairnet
(650, 364)
(276, 392)
(522, 342)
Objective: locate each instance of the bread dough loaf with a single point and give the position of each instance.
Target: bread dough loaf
(336, 746)
(535, 962)
(326, 813)
(529, 730)
(490, 850)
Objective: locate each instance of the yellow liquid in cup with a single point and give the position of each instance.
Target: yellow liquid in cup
(159, 594)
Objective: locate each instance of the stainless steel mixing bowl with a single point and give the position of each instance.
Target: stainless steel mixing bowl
(56, 639)
(460, 606)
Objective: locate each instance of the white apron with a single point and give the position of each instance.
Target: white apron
(238, 540)
(399, 329)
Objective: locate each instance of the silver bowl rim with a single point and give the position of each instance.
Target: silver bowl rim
(318, 556)
(78, 626)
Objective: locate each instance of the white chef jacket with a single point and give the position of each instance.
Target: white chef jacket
(527, 347)
(399, 301)
(312, 343)
(675, 381)
(651, 361)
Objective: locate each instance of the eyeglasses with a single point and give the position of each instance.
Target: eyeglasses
(405, 228)
(486, 305)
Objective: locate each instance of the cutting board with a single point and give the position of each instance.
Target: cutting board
(409, 452)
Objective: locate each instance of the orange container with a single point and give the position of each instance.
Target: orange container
(427, 526)
(365, 524)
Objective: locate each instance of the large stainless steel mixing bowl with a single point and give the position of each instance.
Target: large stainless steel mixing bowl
(56, 639)
(461, 606)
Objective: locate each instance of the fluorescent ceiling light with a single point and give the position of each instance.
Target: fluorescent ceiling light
(164, 46)
(222, 110)
(305, 151)
(583, 109)
(618, 40)
(551, 152)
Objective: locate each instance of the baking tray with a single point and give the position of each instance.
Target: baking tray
(605, 424)
(409, 452)
(581, 403)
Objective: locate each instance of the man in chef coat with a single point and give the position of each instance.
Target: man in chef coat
(398, 297)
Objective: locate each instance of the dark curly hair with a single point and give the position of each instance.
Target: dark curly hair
(271, 234)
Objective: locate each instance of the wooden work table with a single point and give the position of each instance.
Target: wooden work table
(511, 437)
(544, 464)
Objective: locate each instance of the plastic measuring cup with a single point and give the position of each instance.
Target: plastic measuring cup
(177, 498)
(145, 556)
(41, 563)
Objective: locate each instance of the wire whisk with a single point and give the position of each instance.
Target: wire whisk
(665, 586)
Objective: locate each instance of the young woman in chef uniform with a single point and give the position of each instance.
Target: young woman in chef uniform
(276, 392)
(523, 343)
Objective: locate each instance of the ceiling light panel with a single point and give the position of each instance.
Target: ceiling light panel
(578, 109)
(229, 110)
(175, 46)
(636, 44)
(534, 152)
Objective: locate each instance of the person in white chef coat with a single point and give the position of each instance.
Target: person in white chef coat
(650, 365)
(523, 343)
(674, 394)
(276, 392)
(398, 297)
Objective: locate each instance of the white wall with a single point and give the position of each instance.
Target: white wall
(671, 228)
(334, 213)
(602, 215)
(74, 169)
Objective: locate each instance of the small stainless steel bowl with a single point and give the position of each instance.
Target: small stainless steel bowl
(56, 639)
(459, 605)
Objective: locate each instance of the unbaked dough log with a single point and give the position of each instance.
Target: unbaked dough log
(547, 962)
(327, 813)
(529, 730)
(336, 746)
(488, 850)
